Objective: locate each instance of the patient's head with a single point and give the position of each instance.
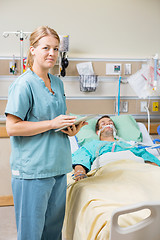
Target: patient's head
(104, 128)
(102, 121)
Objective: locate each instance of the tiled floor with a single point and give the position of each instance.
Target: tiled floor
(7, 224)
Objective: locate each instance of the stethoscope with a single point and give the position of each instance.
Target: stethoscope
(64, 64)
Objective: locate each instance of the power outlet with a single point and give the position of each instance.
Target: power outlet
(123, 106)
(144, 104)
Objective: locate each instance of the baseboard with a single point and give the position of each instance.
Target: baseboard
(6, 201)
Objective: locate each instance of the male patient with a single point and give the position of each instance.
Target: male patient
(83, 158)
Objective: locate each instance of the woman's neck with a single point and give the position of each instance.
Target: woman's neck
(42, 73)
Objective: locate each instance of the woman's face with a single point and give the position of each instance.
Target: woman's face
(46, 53)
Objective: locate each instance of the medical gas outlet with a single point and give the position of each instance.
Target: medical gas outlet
(113, 68)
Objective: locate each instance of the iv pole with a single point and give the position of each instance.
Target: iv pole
(22, 36)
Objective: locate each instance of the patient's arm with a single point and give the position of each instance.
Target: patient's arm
(148, 157)
(151, 163)
(79, 172)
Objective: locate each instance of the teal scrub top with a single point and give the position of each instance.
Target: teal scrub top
(86, 155)
(46, 154)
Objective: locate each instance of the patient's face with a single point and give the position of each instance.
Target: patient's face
(107, 131)
(105, 121)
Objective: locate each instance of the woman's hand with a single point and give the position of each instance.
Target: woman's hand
(74, 129)
(79, 172)
(62, 121)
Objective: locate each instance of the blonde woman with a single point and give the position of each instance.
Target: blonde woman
(40, 156)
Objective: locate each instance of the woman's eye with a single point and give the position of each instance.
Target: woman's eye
(56, 49)
(46, 48)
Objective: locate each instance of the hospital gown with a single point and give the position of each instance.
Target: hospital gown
(86, 155)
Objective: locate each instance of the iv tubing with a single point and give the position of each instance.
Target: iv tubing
(155, 67)
(21, 50)
(119, 95)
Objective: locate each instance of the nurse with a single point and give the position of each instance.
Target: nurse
(40, 157)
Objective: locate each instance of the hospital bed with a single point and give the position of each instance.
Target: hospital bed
(95, 203)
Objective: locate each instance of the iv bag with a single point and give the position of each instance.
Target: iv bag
(85, 68)
(142, 81)
(139, 83)
(64, 43)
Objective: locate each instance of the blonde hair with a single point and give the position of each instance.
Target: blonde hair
(35, 36)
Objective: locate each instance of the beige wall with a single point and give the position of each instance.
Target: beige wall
(99, 28)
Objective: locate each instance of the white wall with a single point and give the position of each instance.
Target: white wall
(97, 28)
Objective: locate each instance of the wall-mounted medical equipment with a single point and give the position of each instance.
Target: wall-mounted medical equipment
(88, 80)
(63, 49)
(88, 83)
(24, 64)
(113, 68)
(21, 36)
(13, 66)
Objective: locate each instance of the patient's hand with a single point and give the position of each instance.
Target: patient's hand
(151, 163)
(79, 172)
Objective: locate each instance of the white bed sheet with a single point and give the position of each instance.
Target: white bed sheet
(73, 143)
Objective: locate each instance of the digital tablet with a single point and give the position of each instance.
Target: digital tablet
(82, 119)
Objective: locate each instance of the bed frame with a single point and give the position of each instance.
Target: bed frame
(147, 229)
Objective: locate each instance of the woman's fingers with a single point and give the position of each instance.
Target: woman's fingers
(62, 121)
(74, 129)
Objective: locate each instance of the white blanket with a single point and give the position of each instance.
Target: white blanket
(115, 156)
(91, 201)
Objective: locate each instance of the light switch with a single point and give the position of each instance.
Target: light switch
(127, 68)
